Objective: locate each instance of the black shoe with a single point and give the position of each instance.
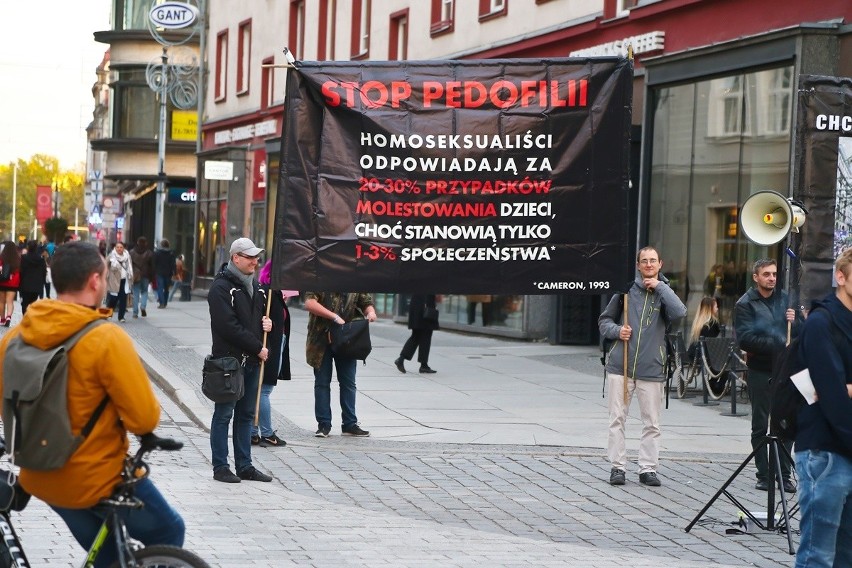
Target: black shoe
(400, 365)
(251, 474)
(144, 313)
(255, 440)
(650, 479)
(354, 430)
(789, 486)
(273, 440)
(225, 475)
(323, 430)
(762, 485)
(616, 476)
(427, 369)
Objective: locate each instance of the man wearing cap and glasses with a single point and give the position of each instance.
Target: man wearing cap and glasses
(237, 323)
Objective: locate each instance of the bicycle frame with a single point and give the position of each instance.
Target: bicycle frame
(12, 554)
(125, 556)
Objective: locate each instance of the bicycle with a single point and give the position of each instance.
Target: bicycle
(132, 554)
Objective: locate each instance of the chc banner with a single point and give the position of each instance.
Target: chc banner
(491, 176)
(823, 180)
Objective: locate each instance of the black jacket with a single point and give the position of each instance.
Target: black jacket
(827, 424)
(415, 312)
(235, 317)
(164, 262)
(760, 325)
(33, 273)
(277, 367)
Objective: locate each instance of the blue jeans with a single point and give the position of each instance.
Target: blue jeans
(155, 523)
(243, 414)
(322, 389)
(163, 289)
(264, 416)
(825, 498)
(140, 296)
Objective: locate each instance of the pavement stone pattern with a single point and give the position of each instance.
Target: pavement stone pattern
(376, 501)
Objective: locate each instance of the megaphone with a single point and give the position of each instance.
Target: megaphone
(767, 217)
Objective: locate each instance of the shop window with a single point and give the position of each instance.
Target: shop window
(325, 39)
(398, 37)
(779, 101)
(267, 82)
(360, 45)
(130, 14)
(243, 57)
(728, 116)
(443, 15)
(489, 9)
(296, 37)
(221, 78)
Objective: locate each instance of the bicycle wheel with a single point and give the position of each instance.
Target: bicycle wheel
(165, 556)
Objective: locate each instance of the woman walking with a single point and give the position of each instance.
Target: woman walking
(118, 279)
(33, 275)
(10, 279)
(422, 321)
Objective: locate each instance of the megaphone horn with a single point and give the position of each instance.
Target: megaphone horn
(767, 217)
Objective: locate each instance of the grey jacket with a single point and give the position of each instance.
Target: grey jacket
(646, 353)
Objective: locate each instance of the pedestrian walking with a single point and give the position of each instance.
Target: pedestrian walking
(164, 269)
(10, 279)
(33, 275)
(760, 322)
(237, 323)
(422, 321)
(119, 277)
(337, 308)
(652, 308)
(824, 436)
(143, 272)
(277, 365)
(179, 277)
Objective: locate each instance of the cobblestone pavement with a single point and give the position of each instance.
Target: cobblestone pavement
(381, 502)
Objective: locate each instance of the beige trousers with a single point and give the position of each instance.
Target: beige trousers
(650, 394)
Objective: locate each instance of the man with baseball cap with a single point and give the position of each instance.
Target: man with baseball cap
(237, 323)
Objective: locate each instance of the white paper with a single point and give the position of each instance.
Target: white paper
(803, 382)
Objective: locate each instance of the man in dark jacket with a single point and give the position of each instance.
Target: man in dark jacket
(237, 323)
(652, 307)
(33, 275)
(143, 271)
(760, 322)
(824, 437)
(164, 269)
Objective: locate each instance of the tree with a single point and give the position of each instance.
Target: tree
(40, 169)
(55, 229)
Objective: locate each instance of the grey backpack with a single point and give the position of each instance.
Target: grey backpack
(35, 403)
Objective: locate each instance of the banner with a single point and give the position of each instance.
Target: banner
(491, 176)
(44, 203)
(823, 181)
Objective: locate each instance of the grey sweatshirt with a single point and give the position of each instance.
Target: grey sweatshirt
(646, 352)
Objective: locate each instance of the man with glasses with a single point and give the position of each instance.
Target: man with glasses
(237, 321)
(760, 322)
(652, 307)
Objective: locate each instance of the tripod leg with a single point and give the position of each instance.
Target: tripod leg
(723, 489)
(775, 455)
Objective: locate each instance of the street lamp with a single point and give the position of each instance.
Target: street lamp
(14, 199)
(57, 198)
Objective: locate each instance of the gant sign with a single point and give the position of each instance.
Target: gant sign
(173, 15)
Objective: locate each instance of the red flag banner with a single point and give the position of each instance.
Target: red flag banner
(44, 203)
(491, 176)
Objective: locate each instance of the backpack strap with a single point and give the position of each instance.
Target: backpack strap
(68, 345)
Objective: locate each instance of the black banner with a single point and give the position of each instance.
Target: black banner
(492, 176)
(823, 181)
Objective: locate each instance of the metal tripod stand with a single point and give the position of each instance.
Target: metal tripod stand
(776, 449)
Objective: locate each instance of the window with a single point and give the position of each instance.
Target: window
(243, 57)
(221, 66)
(325, 39)
(297, 28)
(489, 9)
(136, 112)
(398, 38)
(443, 14)
(779, 99)
(727, 114)
(360, 45)
(267, 82)
(130, 14)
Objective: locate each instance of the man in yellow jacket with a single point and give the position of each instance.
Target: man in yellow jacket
(103, 363)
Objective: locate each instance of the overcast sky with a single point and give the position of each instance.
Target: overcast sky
(48, 58)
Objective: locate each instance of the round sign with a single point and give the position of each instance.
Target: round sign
(173, 15)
